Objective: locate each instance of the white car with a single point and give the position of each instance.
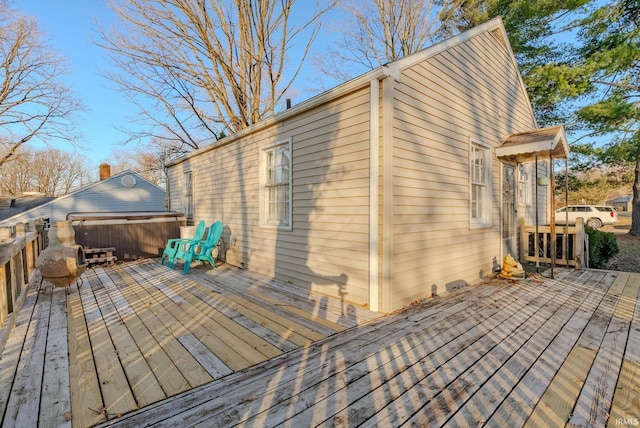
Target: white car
(594, 215)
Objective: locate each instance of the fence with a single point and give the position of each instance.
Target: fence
(20, 247)
(571, 244)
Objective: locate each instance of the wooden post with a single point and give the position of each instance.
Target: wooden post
(566, 208)
(552, 223)
(535, 238)
(4, 304)
(579, 249)
(524, 240)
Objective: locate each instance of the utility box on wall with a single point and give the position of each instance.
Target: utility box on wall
(134, 235)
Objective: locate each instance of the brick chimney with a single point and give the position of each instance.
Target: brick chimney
(105, 171)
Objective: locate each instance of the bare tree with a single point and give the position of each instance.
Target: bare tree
(378, 32)
(145, 161)
(34, 103)
(196, 68)
(49, 171)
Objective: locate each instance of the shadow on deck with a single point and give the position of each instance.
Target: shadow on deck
(136, 333)
(226, 348)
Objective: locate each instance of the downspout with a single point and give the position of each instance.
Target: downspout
(167, 188)
(386, 285)
(374, 134)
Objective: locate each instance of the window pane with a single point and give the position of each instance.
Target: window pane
(277, 186)
(478, 174)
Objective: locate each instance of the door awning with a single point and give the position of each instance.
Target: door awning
(546, 143)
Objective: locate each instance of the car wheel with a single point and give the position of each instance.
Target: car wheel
(594, 222)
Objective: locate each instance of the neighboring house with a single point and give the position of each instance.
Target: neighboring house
(400, 184)
(624, 203)
(123, 192)
(14, 205)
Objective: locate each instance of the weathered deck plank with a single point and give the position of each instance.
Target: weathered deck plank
(499, 353)
(124, 328)
(520, 358)
(280, 386)
(334, 310)
(554, 306)
(55, 405)
(188, 373)
(558, 401)
(442, 391)
(116, 394)
(207, 360)
(13, 348)
(626, 399)
(198, 324)
(24, 401)
(593, 405)
(518, 405)
(293, 310)
(87, 406)
(238, 339)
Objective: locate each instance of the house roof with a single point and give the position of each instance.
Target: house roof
(393, 70)
(623, 199)
(545, 143)
(35, 203)
(22, 204)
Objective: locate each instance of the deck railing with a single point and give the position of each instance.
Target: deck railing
(571, 244)
(20, 247)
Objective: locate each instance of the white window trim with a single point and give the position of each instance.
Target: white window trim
(263, 186)
(188, 200)
(524, 184)
(485, 221)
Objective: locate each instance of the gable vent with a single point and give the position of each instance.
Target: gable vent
(497, 34)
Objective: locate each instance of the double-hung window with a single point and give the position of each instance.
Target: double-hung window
(480, 185)
(276, 185)
(188, 196)
(524, 184)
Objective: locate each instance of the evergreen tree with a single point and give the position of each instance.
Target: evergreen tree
(580, 61)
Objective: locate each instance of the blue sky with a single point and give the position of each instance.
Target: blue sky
(69, 26)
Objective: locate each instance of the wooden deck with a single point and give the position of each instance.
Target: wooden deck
(136, 333)
(538, 352)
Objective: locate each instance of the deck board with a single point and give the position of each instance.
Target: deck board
(114, 386)
(518, 405)
(14, 346)
(626, 399)
(593, 405)
(150, 346)
(88, 408)
(56, 397)
(188, 373)
(24, 402)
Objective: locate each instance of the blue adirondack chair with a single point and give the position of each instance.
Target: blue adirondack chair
(201, 250)
(175, 244)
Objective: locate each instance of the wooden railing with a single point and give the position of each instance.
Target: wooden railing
(20, 247)
(571, 244)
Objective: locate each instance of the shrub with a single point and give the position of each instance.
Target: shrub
(602, 247)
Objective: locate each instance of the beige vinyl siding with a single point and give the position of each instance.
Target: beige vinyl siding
(327, 248)
(468, 92)
(430, 110)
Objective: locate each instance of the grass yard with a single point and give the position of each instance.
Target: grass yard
(628, 259)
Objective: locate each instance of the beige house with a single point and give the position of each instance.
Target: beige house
(395, 186)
